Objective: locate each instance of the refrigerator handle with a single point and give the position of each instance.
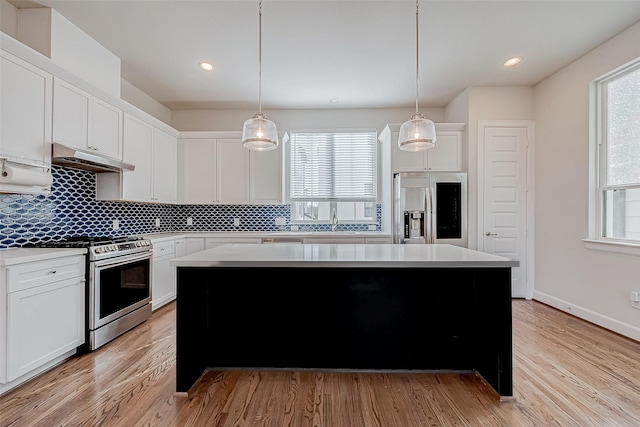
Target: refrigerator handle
(428, 224)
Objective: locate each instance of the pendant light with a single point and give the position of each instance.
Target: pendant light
(259, 133)
(417, 133)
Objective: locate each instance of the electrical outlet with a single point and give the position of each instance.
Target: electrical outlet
(281, 221)
(294, 228)
(189, 221)
(236, 221)
(157, 222)
(634, 299)
(116, 224)
(372, 227)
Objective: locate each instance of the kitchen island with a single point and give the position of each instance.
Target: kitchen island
(344, 307)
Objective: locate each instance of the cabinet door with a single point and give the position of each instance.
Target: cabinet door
(232, 164)
(164, 167)
(163, 283)
(138, 143)
(199, 171)
(43, 323)
(266, 176)
(406, 161)
(25, 110)
(105, 128)
(445, 156)
(181, 247)
(70, 115)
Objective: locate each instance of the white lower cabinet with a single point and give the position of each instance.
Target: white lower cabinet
(163, 282)
(181, 248)
(334, 240)
(377, 240)
(43, 316)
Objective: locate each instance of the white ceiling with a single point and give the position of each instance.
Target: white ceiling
(361, 52)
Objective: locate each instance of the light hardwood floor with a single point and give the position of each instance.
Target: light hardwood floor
(567, 372)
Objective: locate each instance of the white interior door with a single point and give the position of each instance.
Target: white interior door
(504, 198)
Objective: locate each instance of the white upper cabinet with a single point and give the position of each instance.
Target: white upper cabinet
(25, 110)
(232, 164)
(164, 166)
(197, 171)
(214, 168)
(83, 121)
(138, 146)
(153, 153)
(265, 180)
(445, 156)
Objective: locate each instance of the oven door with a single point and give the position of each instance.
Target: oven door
(118, 286)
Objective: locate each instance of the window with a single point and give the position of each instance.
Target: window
(618, 134)
(333, 170)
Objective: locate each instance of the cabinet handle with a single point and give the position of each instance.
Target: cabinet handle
(53, 272)
(488, 233)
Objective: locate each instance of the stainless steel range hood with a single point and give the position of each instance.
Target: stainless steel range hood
(75, 158)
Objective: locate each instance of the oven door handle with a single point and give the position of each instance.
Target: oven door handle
(121, 261)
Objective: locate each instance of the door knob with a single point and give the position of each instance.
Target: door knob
(488, 233)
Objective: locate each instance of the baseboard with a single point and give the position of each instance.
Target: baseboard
(606, 322)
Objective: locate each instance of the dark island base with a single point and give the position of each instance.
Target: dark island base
(431, 319)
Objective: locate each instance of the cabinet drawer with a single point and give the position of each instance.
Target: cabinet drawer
(163, 249)
(38, 273)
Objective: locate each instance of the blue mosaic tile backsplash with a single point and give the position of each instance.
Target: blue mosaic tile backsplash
(71, 210)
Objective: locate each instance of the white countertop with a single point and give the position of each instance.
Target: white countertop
(158, 237)
(341, 255)
(12, 256)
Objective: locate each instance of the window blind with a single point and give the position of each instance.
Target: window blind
(340, 166)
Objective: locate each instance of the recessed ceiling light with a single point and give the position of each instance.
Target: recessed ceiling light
(512, 61)
(333, 101)
(206, 66)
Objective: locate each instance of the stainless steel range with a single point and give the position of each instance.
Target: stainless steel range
(118, 284)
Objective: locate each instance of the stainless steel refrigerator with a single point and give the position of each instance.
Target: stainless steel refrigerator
(430, 207)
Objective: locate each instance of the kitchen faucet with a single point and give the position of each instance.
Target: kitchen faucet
(334, 220)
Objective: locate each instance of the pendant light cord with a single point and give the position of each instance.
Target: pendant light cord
(260, 60)
(417, 56)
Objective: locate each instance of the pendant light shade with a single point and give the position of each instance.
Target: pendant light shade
(417, 133)
(260, 133)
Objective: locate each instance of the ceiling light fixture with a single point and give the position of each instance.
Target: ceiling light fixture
(417, 133)
(259, 133)
(512, 61)
(205, 66)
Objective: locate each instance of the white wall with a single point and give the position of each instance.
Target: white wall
(51, 34)
(486, 103)
(221, 120)
(591, 284)
(140, 99)
(8, 18)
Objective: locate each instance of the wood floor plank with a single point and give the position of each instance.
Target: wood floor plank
(566, 372)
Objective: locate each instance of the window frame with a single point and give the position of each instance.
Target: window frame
(600, 167)
(333, 202)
